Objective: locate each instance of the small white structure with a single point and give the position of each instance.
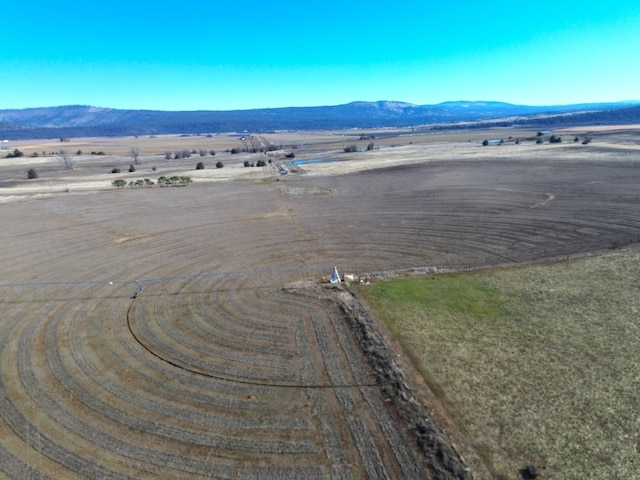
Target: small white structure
(335, 276)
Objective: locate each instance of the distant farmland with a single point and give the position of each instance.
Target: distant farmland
(186, 332)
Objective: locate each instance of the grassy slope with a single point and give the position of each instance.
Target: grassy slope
(538, 365)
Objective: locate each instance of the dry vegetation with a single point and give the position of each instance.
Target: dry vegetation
(214, 369)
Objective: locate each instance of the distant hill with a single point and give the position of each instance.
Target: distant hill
(77, 120)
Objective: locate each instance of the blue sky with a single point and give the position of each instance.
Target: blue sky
(193, 55)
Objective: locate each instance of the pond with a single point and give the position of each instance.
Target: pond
(312, 160)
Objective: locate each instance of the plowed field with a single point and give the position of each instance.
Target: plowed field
(215, 369)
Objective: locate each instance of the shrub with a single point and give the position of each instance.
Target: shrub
(31, 174)
(234, 151)
(555, 139)
(200, 166)
(203, 152)
(539, 140)
(168, 155)
(247, 163)
(350, 148)
(485, 143)
(290, 155)
(370, 146)
(115, 170)
(219, 165)
(212, 152)
(132, 168)
(261, 163)
(15, 154)
(119, 183)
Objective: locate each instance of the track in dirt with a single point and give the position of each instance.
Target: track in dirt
(215, 370)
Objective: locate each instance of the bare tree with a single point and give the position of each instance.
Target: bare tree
(66, 159)
(256, 144)
(135, 153)
(244, 143)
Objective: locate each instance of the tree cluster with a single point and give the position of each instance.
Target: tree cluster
(162, 181)
(15, 154)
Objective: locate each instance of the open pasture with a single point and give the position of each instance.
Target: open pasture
(538, 364)
(214, 370)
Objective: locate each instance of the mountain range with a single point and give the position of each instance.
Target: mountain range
(78, 120)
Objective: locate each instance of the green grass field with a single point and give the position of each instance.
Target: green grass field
(536, 365)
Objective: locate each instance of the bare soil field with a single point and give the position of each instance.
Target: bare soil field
(154, 333)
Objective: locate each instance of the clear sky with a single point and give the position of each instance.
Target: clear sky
(208, 55)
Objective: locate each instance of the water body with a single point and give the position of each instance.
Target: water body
(312, 160)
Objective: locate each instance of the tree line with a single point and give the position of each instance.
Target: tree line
(147, 182)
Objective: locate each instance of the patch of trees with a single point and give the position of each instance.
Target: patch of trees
(255, 144)
(181, 154)
(147, 182)
(15, 154)
(32, 174)
(174, 180)
(555, 139)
